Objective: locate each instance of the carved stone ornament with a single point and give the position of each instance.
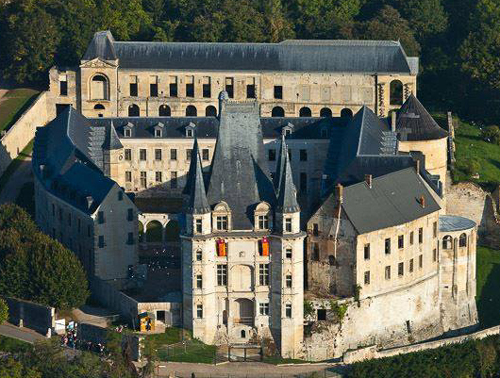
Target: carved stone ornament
(97, 63)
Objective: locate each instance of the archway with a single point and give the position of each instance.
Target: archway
(99, 88)
(278, 111)
(164, 111)
(462, 241)
(244, 311)
(210, 111)
(447, 242)
(396, 93)
(346, 112)
(325, 113)
(305, 112)
(133, 111)
(191, 111)
(154, 232)
(242, 278)
(172, 231)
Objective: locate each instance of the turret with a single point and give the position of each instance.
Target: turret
(112, 149)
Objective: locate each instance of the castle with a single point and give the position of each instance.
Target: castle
(313, 182)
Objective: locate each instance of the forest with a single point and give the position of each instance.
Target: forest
(458, 41)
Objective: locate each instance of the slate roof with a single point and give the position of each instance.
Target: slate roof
(452, 223)
(68, 157)
(111, 141)
(415, 123)
(393, 199)
(348, 56)
(287, 195)
(197, 201)
(239, 174)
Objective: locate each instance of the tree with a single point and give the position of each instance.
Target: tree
(278, 26)
(10, 368)
(4, 311)
(425, 17)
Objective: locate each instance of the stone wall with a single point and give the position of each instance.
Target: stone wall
(31, 315)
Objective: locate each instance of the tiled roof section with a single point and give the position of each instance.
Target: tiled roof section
(287, 195)
(239, 174)
(393, 199)
(101, 46)
(414, 122)
(300, 56)
(197, 202)
(453, 223)
(112, 141)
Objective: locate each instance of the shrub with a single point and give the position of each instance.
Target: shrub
(4, 311)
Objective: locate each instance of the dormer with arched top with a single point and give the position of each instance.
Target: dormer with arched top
(262, 217)
(158, 130)
(127, 129)
(190, 130)
(221, 217)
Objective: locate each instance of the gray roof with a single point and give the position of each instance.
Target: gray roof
(452, 223)
(280, 164)
(197, 202)
(287, 195)
(392, 200)
(301, 56)
(239, 174)
(414, 122)
(112, 141)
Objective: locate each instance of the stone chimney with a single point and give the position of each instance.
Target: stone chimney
(368, 180)
(417, 167)
(422, 201)
(339, 190)
(393, 121)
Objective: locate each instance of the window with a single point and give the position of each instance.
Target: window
(130, 215)
(173, 86)
(199, 311)
(401, 269)
(153, 89)
(134, 111)
(420, 235)
(207, 88)
(198, 225)
(60, 215)
(101, 241)
(278, 92)
(401, 241)
(288, 310)
(99, 88)
(331, 260)
(303, 155)
(128, 154)
(321, 314)
(251, 91)
(447, 242)
(305, 112)
(164, 111)
(411, 266)
(263, 222)
(158, 176)
(303, 182)
(63, 88)
(420, 261)
(462, 241)
(288, 224)
(199, 281)
(157, 133)
(271, 155)
(315, 229)
(288, 281)
(230, 87)
(434, 255)
(387, 246)
(158, 154)
(387, 272)
(325, 113)
(173, 154)
(221, 222)
(396, 93)
(434, 230)
(128, 176)
(100, 217)
(278, 111)
(315, 248)
(127, 132)
(199, 255)
(189, 133)
(130, 238)
(263, 274)
(133, 89)
(205, 154)
(411, 237)
(367, 277)
(142, 154)
(189, 151)
(143, 179)
(221, 275)
(190, 90)
(191, 111)
(210, 111)
(173, 180)
(367, 251)
(288, 253)
(264, 309)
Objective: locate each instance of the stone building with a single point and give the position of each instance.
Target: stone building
(291, 78)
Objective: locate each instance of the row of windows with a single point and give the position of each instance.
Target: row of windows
(129, 241)
(174, 184)
(263, 310)
(101, 219)
(158, 154)
(222, 223)
(199, 254)
(271, 154)
(448, 241)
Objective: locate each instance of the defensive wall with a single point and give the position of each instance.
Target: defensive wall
(31, 315)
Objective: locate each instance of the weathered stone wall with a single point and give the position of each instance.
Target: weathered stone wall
(31, 315)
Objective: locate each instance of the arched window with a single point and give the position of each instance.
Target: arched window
(447, 242)
(243, 334)
(133, 111)
(346, 112)
(99, 88)
(278, 111)
(305, 112)
(191, 111)
(164, 111)
(210, 111)
(325, 112)
(462, 242)
(99, 107)
(396, 94)
(331, 260)
(154, 232)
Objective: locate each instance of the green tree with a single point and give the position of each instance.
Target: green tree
(425, 17)
(10, 368)
(4, 311)
(278, 26)
(125, 19)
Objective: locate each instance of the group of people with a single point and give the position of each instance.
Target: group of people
(70, 339)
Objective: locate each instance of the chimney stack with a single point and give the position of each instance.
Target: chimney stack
(393, 121)
(339, 190)
(422, 202)
(417, 168)
(368, 180)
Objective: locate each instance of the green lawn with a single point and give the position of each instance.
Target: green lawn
(194, 351)
(488, 286)
(171, 335)
(13, 104)
(15, 164)
(10, 345)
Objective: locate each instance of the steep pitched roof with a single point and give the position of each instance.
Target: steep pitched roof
(239, 174)
(287, 195)
(112, 141)
(415, 123)
(301, 55)
(280, 164)
(197, 202)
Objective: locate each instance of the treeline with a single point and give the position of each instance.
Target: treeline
(457, 40)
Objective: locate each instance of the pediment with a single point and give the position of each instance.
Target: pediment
(98, 63)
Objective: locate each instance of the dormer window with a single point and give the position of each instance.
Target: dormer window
(157, 133)
(287, 129)
(158, 130)
(221, 217)
(262, 216)
(221, 223)
(127, 132)
(263, 222)
(190, 130)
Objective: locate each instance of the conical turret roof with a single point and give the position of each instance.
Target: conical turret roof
(111, 140)
(280, 164)
(197, 202)
(287, 198)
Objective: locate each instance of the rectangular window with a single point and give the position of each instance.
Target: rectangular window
(101, 241)
(303, 155)
(367, 277)
(221, 222)
(207, 88)
(158, 176)
(263, 222)
(420, 261)
(153, 86)
(199, 281)
(130, 238)
(387, 272)
(288, 281)
(367, 251)
(173, 154)
(411, 266)
(435, 230)
(130, 215)
(251, 91)
(190, 90)
(303, 182)
(199, 255)
(230, 87)
(288, 310)
(199, 225)
(63, 88)
(411, 237)
(205, 154)
(401, 269)
(271, 155)
(387, 246)
(143, 179)
(278, 92)
(173, 86)
(401, 241)
(221, 275)
(420, 235)
(263, 274)
(434, 255)
(173, 180)
(158, 154)
(315, 229)
(264, 309)
(134, 90)
(288, 224)
(189, 151)
(288, 253)
(100, 217)
(142, 154)
(199, 311)
(128, 176)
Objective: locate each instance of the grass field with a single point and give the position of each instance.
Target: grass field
(194, 351)
(15, 164)
(10, 345)
(13, 104)
(488, 286)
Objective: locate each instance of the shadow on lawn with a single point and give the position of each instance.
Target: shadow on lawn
(488, 305)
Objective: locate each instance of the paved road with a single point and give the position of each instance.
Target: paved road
(23, 334)
(20, 176)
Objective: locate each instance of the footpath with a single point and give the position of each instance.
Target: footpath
(23, 334)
